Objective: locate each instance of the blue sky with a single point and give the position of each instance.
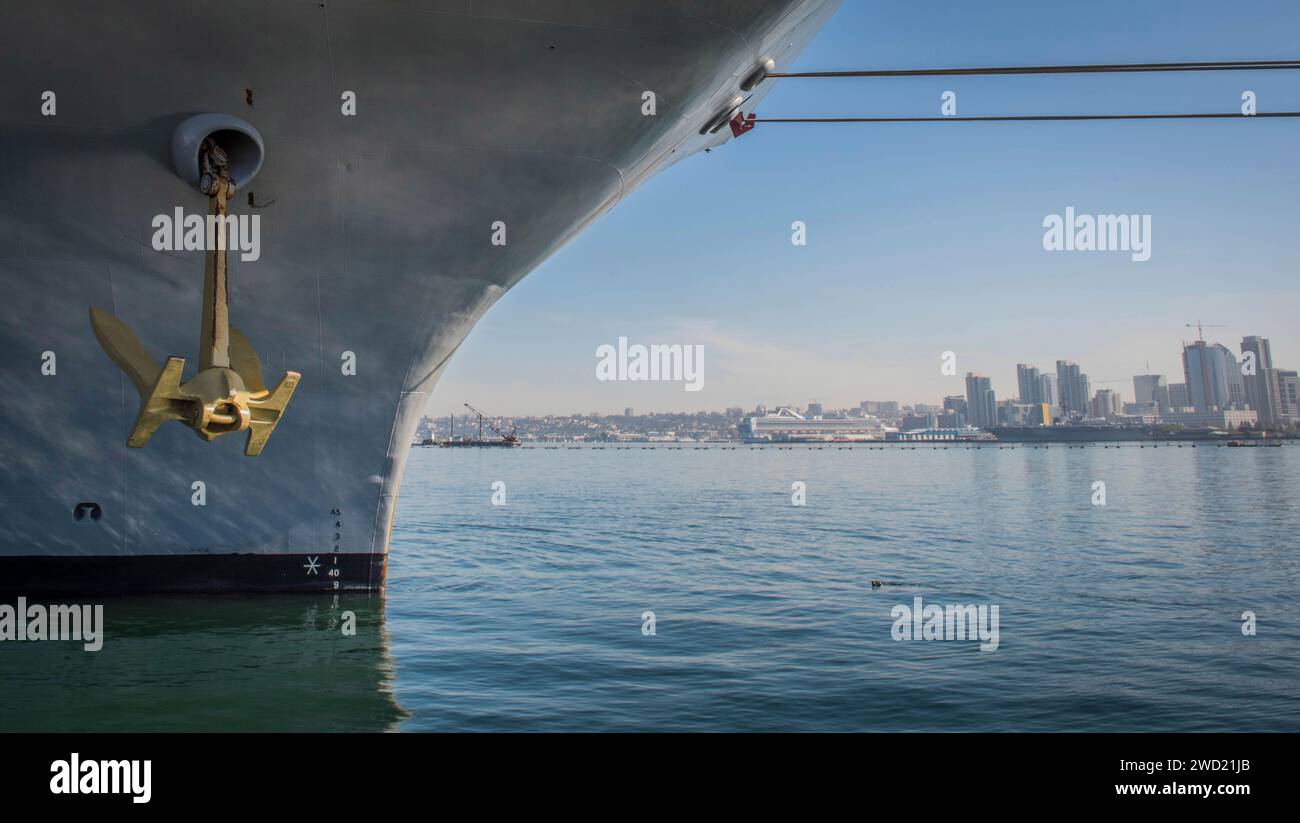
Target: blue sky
(928, 238)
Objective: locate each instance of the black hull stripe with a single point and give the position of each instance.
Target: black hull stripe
(192, 573)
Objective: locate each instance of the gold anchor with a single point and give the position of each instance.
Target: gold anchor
(227, 395)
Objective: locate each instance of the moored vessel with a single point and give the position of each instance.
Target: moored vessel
(413, 161)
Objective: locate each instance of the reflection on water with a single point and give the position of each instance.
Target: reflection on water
(528, 616)
(265, 663)
(1123, 617)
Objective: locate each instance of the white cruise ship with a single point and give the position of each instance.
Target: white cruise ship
(787, 426)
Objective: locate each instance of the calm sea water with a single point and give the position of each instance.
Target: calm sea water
(529, 615)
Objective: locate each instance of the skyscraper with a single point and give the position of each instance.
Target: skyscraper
(1073, 387)
(1106, 403)
(980, 401)
(954, 411)
(1151, 389)
(1029, 382)
(878, 406)
(1262, 387)
(1288, 394)
(1047, 390)
(1179, 399)
(1214, 380)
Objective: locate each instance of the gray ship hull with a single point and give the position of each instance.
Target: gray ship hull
(376, 246)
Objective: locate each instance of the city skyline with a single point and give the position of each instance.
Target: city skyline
(1068, 387)
(928, 238)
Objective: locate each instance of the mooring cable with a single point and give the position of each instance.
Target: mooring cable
(1028, 118)
(1105, 68)
(741, 124)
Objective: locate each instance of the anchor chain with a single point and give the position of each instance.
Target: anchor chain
(227, 395)
(214, 340)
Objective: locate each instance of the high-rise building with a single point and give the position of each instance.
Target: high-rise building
(912, 422)
(1179, 399)
(1066, 372)
(815, 410)
(1047, 391)
(1262, 349)
(1214, 381)
(1262, 389)
(1106, 403)
(955, 411)
(1029, 380)
(1072, 384)
(1151, 389)
(1237, 387)
(878, 406)
(980, 401)
(1288, 396)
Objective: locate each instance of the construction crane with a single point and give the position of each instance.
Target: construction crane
(507, 438)
(1198, 325)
